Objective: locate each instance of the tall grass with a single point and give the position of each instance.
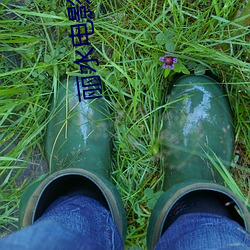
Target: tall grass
(36, 54)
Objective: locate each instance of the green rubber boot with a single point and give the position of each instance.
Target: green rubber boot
(198, 123)
(78, 149)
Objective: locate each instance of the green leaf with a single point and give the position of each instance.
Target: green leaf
(158, 194)
(169, 46)
(169, 33)
(40, 70)
(155, 196)
(179, 67)
(34, 74)
(41, 77)
(47, 58)
(148, 192)
(151, 203)
(160, 38)
(191, 65)
(166, 72)
(200, 70)
(185, 71)
(166, 38)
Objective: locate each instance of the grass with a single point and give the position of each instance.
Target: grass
(36, 54)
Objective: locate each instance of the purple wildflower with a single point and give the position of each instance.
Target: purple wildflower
(168, 61)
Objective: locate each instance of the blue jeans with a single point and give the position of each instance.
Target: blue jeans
(80, 222)
(204, 231)
(70, 223)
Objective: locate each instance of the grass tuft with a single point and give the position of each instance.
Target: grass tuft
(36, 54)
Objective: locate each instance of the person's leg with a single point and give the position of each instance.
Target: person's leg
(78, 150)
(197, 137)
(204, 231)
(71, 222)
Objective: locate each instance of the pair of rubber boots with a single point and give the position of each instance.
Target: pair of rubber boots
(197, 132)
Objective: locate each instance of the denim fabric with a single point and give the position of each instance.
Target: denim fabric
(82, 223)
(70, 223)
(204, 231)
